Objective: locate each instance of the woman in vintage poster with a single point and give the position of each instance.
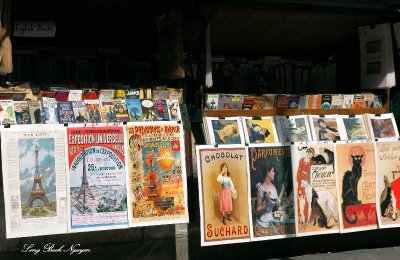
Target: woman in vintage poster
(303, 175)
(267, 196)
(225, 202)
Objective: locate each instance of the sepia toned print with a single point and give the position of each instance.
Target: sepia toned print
(314, 177)
(223, 195)
(388, 183)
(356, 178)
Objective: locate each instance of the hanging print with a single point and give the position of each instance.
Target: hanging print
(260, 130)
(33, 166)
(388, 183)
(156, 173)
(223, 195)
(271, 191)
(314, 178)
(96, 178)
(356, 181)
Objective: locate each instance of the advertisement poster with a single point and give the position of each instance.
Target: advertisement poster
(271, 191)
(388, 183)
(324, 128)
(223, 195)
(97, 197)
(355, 164)
(156, 174)
(314, 178)
(33, 166)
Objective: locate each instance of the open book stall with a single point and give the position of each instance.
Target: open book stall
(85, 165)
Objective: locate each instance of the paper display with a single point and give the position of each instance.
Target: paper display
(156, 173)
(96, 178)
(34, 180)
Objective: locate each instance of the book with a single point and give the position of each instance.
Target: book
(174, 110)
(224, 101)
(108, 113)
(377, 101)
(22, 115)
(337, 101)
(134, 109)
(282, 102)
(148, 110)
(93, 110)
(211, 101)
(358, 101)
(75, 95)
(65, 112)
(368, 100)
(326, 101)
(268, 101)
(7, 113)
(161, 109)
(314, 102)
(90, 94)
(80, 112)
(106, 94)
(303, 102)
(62, 95)
(49, 111)
(160, 94)
(294, 101)
(132, 93)
(121, 110)
(176, 94)
(348, 100)
(35, 111)
(119, 94)
(248, 102)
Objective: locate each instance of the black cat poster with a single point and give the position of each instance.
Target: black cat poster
(388, 183)
(315, 188)
(355, 165)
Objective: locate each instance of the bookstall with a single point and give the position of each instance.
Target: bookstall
(113, 147)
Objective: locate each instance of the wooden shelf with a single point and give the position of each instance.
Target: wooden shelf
(292, 112)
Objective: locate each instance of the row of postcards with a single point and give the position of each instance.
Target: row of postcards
(271, 191)
(274, 129)
(76, 178)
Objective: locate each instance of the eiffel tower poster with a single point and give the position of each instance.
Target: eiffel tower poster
(85, 190)
(37, 177)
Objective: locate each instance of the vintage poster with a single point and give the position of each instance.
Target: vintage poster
(260, 130)
(315, 188)
(223, 194)
(271, 203)
(96, 178)
(156, 173)
(225, 131)
(355, 165)
(388, 183)
(33, 166)
(352, 128)
(293, 128)
(324, 128)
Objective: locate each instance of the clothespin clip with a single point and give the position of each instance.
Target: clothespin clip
(215, 145)
(256, 118)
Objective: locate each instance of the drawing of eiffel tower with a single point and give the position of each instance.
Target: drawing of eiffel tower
(37, 193)
(85, 189)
